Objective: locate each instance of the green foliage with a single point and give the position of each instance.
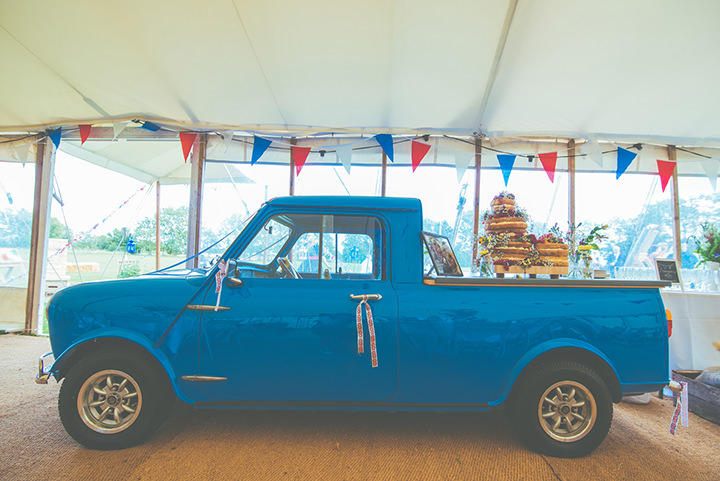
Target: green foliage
(129, 270)
(15, 228)
(173, 231)
(58, 230)
(708, 246)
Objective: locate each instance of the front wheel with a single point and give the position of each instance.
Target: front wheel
(112, 401)
(564, 409)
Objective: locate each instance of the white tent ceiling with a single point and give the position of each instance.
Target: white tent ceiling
(617, 70)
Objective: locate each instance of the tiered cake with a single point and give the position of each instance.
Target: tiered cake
(512, 249)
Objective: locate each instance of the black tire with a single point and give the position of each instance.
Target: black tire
(113, 400)
(563, 409)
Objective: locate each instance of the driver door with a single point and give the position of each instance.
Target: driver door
(284, 336)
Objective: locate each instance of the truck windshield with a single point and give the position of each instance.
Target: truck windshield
(266, 244)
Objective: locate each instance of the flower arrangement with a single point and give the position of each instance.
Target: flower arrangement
(581, 247)
(708, 246)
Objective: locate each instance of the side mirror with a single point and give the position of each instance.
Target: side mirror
(232, 272)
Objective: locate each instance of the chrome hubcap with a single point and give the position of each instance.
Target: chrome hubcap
(567, 411)
(109, 401)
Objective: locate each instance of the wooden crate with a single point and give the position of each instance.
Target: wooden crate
(703, 399)
(533, 271)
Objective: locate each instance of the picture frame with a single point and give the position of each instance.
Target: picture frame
(442, 255)
(668, 270)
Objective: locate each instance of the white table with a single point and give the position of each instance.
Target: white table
(696, 325)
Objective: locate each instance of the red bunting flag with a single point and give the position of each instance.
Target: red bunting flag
(665, 169)
(419, 151)
(548, 160)
(187, 139)
(84, 132)
(300, 156)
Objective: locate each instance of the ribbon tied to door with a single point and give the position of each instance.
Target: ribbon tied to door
(371, 326)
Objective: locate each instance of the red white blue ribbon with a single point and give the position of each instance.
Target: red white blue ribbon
(371, 330)
(219, 276)
(681, 409)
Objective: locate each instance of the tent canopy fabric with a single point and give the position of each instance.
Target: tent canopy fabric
(642, 70)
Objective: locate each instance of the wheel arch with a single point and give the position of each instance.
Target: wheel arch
(594, 360)
(145, 351)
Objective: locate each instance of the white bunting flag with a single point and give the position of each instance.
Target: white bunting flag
(710, 166)
(462, 162)
(344, 153)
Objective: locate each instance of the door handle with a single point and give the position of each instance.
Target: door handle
(370, 297)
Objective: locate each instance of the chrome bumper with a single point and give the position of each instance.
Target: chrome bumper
(44, 371)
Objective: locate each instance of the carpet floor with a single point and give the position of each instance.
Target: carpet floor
(302, 445)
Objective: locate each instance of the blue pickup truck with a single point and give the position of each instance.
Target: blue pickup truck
(325, 303)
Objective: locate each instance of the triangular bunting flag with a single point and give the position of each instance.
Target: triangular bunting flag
(344, 153)
(227, 136)
(150, 126)
(386, 142)
(462, 161)
(506, 165)
(300, 156)
(710, 166)
(624, 159)
(55, 136)
(118, 128)
(187, 139)
(84, 132)
(419, 151)
(665, 169)
(593, 151)
(260, 145)
(549, 160)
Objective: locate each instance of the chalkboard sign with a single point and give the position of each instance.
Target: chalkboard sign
(668, 270)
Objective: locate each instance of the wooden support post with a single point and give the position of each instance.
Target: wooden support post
(476, 201)
(199, 153)
(44, 170)
(677, 245)
(293, 141)
(383, 178)
(157, 225)
(571, 182)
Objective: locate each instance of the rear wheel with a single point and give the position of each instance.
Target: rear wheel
(113, 400)
(564, 409)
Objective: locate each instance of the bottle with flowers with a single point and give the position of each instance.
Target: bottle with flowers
(581, 247)
(708, 249)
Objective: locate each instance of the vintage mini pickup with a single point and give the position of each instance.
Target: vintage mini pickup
(324, 303)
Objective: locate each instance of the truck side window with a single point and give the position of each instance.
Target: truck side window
(350, 247)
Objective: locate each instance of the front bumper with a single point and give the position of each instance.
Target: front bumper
(44, 371)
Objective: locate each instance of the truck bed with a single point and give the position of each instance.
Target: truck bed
(593, 283)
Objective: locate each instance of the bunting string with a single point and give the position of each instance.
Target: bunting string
(98, 224)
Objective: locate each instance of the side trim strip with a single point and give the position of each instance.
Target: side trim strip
(195, 378)
(203, 308)
(344, 404)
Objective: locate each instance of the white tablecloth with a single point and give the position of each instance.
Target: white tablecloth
(696, 325)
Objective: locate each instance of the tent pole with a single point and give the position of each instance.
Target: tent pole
(199, 153)
(571, 182)
(157, 225)
(677, 245)
(44, 170)
(476, 201)
(383, 179)
(293, 141)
